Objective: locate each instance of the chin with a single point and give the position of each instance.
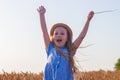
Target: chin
(60, 45)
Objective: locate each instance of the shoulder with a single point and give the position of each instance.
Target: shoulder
(50, 48)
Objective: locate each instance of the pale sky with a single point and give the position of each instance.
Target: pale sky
(21, 41)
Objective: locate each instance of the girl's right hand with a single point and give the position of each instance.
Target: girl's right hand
(41, 10)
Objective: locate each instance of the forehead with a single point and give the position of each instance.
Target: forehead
(60, 29)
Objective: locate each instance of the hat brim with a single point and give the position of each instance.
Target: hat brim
(61, 25)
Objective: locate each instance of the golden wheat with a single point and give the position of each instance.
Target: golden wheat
(91, 75)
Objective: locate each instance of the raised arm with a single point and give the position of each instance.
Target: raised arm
(42, 11)
(78, 41)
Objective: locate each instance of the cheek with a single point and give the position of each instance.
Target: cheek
(65, 38)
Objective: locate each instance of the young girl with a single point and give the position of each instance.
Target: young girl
(60, 49)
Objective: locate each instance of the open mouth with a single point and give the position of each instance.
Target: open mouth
(59, 40)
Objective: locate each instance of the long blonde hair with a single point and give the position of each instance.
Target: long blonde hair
(71, 49)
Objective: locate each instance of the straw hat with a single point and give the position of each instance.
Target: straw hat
(61, 25)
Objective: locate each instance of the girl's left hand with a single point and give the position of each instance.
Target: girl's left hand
(90, 15)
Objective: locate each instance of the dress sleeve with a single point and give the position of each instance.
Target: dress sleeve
(48, 50)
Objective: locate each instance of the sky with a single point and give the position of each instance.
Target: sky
(21, 41)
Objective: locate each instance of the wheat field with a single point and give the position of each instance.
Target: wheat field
(91, 75)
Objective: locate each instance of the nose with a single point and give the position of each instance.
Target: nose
(58, 35)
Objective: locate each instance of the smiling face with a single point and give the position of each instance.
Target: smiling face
(60, 36)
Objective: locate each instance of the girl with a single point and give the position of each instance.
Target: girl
(60, 49)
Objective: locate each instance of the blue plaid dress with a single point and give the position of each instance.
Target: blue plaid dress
(57, 66)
